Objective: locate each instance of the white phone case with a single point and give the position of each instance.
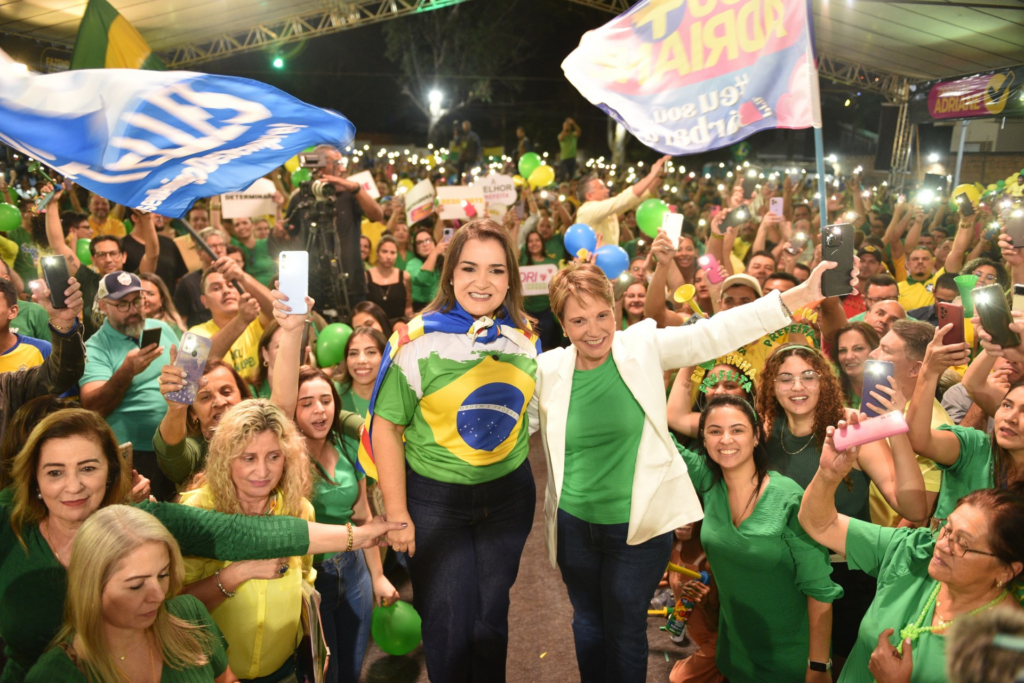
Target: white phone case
(293, 278)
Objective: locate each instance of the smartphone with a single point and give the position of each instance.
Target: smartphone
(1015, 228)
(446, 234)
(55, 272)
(150, 336)
(776, 205)
(990, 304)
(1018, 297)
(798, 243)
(709, 264)
(876, 373)
(293, 278)
(881, 427)
(672, 224)
(751, 181)
(737, 216)
(964, 202)
(952, 313)
(837, 246)
(192, 354)
(127, 451)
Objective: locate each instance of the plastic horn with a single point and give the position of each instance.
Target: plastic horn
(663, 612)
(687, 295)
(684, 571)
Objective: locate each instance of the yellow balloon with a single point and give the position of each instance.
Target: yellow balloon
(970, 190)
(518, 180)
(292, 164)
(406, 184)
(542, 176)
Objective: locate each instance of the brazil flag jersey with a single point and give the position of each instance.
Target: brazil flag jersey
(463, 404)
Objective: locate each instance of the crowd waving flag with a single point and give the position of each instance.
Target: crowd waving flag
(158, 140)
(107, 41)
(687, 76)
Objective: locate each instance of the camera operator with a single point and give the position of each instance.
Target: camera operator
(350, 204)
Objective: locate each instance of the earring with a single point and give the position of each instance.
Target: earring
(265, 364)
(39, 495)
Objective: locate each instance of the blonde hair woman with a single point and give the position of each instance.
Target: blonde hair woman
(256, 466)
(122, 622)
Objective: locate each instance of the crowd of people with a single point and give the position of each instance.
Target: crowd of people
(689, 410)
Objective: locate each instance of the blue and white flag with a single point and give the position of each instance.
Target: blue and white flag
(687, 76)
(158, 141)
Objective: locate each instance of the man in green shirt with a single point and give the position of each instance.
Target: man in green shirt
(32, 319)
(567, 141)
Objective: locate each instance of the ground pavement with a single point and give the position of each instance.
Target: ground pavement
(540, 620)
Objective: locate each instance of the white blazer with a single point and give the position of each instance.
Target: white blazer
(663, 498)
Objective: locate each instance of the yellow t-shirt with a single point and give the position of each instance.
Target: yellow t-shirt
(915, 294)
(245, 357)
(111, 226)
(262, 622)
(884, 515)
(374, 231)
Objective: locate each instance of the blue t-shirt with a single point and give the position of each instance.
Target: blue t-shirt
(137, 417)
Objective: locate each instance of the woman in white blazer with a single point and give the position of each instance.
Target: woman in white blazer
(617, 486)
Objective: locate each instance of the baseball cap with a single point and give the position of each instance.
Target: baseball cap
(117, 285)
(870, 249)
(744, 280)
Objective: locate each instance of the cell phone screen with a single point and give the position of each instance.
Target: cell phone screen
(151, 336)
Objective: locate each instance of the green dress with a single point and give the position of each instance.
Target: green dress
(765, 570)
(33, 583)
(55, 665)
(899, 559)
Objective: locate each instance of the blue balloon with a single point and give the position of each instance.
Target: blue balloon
(613, 260)
(579, 236)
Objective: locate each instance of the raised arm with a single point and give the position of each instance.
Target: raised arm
(650, 181)
(818, 515)
(894, 233)
(146, 229)
(985, 395)
(681, 417)
(284, 389)
(899, 477)
(941, 446)
(55, 233)
(961, 243)
(654, 304)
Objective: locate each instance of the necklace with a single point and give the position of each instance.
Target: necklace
(914, 631)
(49, 542)
(782, 441)
(152, 664)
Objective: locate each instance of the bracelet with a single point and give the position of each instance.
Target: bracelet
(222, 588)
(785, 309)
(819, 666)
(351, 537)
(63, 329)
(716, 236)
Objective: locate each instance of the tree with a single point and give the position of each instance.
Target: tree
(462, 52)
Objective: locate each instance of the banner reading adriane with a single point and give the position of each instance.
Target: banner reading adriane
(686, 76)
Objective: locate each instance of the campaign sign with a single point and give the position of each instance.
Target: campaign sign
(366, 181)
(537, 279)
(451, 198)
(256, 200)
(498, 189)
(419, 201)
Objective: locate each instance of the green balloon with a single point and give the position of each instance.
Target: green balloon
(128, 226)
(1000, 184)
(649, 216)
(82, 250)
(528, 163)
(330, 344)
(10, 217)
(397, 629)
(300, 175)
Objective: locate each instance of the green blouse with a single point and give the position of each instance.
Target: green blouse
(55, 665)
(33, 583)
(765, 569)
(335, 496)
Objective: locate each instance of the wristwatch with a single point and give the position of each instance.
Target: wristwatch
(819, 666)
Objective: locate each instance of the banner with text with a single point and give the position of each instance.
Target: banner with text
(537, 279)
(687, 77)
(995, 93)
(419, 201)
(366, 181)
(256, 200)
(455, 200)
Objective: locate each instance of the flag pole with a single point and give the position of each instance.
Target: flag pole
(819, 154)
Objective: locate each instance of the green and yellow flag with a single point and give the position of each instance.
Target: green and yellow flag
(107, 41)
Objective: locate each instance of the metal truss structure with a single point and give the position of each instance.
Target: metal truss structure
(337, 15)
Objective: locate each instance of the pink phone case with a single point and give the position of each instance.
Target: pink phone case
(710, 265)
(872, 429)
(776, 205)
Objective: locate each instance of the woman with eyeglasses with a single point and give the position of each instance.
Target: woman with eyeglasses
(989, 272)
(427, 276)
(926, 582)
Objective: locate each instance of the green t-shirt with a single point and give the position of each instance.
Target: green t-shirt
(463, 404)
(261, 391)
(972, 471)
(182, 460)
(55, 665)
(555, 247)
(600, 446)
(32, 321)
(425, 284)
(138, 416)
(25, 263)
(567, 146)
(409, 263)
(334, 496)
(899, 559)
(258, 262)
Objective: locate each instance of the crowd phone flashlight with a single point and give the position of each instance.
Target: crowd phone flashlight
(797, 244)
(837, 245)
(964, 202)
(990, 304)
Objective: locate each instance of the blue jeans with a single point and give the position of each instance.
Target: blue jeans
(610, 587)
(469, 539)
(346, 610)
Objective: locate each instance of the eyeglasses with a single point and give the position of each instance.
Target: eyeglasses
(420, 243)
(957, 546)
(123, 306)
(985, 277)
(808, 378)
(106, 254)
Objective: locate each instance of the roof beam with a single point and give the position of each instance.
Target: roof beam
(340, 15)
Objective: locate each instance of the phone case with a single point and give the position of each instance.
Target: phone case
(55, 273)
(881, 427)
(876, 373)
(735, 217)
(1015, 229)
(776, 205)
(1018, 297)
(990, 304)
(797, 245)
(293, 278)
(837, 245)
(149, 336)
(192, 354)
(710, 266)
(951, 313)
(964, 202)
